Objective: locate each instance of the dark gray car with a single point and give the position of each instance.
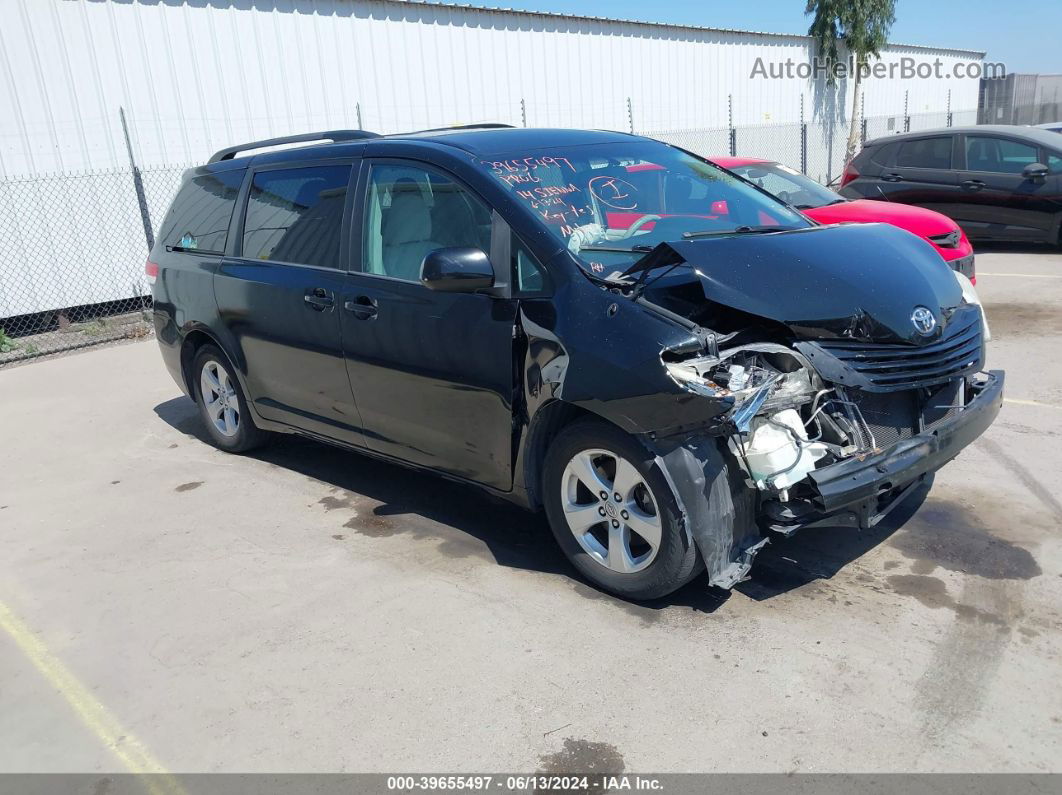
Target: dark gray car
(999, 182)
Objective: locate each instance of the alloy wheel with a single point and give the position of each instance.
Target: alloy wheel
(219, 398)
(611, 510)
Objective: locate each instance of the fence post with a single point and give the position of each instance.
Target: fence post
(863, 130)
(630, 116)
(803, 139)
(949, 107)
(523, 112)
(906, 115)
(730, 122)
(357, 109)
(138, 185)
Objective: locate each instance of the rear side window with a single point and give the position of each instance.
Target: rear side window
(998, 155)
(925, 153)
(295, 215)
(883, 155)
(200, 215)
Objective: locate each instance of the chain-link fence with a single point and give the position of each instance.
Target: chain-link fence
(72, 252)
(73, 246)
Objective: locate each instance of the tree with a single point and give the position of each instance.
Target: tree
(863, 26)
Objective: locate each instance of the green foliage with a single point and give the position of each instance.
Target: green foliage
(6, 343)
(862, 25)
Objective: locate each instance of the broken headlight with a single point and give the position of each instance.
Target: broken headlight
(770, 385)
(758, 378)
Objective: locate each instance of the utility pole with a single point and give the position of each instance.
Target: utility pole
(138, 185)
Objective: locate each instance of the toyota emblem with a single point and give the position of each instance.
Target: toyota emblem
(923, 321)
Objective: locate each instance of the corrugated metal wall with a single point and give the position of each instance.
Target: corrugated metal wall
(1021, 99)
(195, 76)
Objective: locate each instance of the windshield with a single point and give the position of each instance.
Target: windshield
(790, 186)
(611, 203)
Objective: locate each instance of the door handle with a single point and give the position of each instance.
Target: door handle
(972, 185)
(891, 178)
(363, 307)
(319, 299)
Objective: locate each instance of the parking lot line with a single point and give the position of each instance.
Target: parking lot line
(1032, 403)
(133, 754)
(1024, 275)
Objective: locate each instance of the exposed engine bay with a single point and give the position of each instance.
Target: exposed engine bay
(785, 417)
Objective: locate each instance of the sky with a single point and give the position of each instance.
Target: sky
(1024, 34)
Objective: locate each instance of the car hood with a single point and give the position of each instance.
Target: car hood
(919, 220)
(858, 281)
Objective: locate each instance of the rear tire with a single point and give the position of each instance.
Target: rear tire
(222, 404)
(614, 514)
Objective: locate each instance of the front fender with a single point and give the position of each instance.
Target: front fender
(601, 351)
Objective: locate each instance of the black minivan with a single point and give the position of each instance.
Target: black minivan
(668, 360)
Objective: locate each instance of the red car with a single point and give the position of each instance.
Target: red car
(827, 207)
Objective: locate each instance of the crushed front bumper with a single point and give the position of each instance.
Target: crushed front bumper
(862, 491)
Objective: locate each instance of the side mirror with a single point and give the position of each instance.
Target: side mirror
(457, 270)
(1034, 171)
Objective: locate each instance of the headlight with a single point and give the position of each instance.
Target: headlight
(753, 376)
(969, 294)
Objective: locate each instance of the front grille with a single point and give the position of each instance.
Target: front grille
(949, 240)
(894, 368)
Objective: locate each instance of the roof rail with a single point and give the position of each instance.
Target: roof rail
(488, 125)
(330, 135)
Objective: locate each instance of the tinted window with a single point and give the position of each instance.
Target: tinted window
(882, 155)
(296, 215)
(200, 215)
(410, 212)
(788, 185)
(925, 153)
(1054, 163)
(998, 155)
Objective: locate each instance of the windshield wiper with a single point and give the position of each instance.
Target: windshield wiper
(621, 249)
(741, 230)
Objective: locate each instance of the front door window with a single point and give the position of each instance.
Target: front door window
(410, 212)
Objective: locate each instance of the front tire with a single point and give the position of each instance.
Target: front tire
(222, 404)
(614, 514)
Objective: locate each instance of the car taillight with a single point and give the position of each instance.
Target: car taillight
(850, 173)
(151, 271)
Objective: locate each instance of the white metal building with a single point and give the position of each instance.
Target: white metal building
(194, 76)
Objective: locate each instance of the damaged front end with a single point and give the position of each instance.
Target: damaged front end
(827, 422)
(789, 427)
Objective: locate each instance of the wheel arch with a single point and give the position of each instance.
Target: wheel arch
(194, 339)
(548, 421)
